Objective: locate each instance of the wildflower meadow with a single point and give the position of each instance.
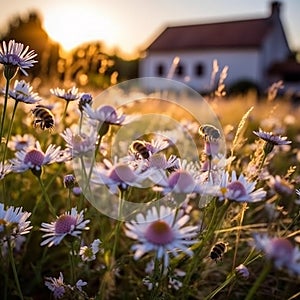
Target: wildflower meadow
(136, 192)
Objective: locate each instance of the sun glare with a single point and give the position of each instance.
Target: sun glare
(76, 25)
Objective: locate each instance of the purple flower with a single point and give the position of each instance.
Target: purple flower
(14, 55)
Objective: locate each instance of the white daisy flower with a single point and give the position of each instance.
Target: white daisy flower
(21, 142)
(180, 181)
(105, 114)
(70, 223)
(280, 251)
(118, 176)
(88, 253)
(271, 140)
(34, 158)
(22, 92)
(269, 137)
(239, 189)
(80, 144)
(13, 222)
(69, 95)
(161, 232)
(14, 55)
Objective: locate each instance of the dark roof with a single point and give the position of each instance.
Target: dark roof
(233, 34)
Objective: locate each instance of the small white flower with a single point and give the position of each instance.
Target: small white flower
(174, 279)
(89, 253)
(34, 158)
(160, 231)
(70, 223)
(13, 222)
(69, 95)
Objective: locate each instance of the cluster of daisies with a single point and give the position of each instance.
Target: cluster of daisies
(162, 231)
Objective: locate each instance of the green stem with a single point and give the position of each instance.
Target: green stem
(216, 220)
(13, 265)
(65, 110)
(72, 264)
(231, 276)
(69, 199)
(80, 122)
(238, 234)
(156, 279)
(259, 281)
(4, 109)
(237, 240)
(54, 176)
(93, 160)
(9, 130)
(118, 225)
(46, 197)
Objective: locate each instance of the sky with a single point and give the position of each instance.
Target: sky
(131, 25)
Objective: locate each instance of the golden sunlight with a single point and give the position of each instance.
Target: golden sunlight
(76, 25)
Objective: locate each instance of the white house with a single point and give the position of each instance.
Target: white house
(255, 50)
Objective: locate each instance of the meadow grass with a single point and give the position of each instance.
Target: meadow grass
(256, 216)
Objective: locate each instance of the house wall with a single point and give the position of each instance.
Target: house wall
(243, 64)
(274, 49)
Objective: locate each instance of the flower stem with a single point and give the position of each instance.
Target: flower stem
(69, 199)
(216, 220)
(46, 197)
(4, 109)
(118, 225)
(156, 279)
(9, 131)
(13, 265)
(237, 240)
(259, 281)
(65, 111)
(72, 263)
(94, 159)
(80, 122)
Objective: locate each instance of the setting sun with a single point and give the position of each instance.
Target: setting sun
(72, 27)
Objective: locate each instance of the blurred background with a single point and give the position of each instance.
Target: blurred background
(100, 43)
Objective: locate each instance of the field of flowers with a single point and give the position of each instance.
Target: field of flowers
(143, 199)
